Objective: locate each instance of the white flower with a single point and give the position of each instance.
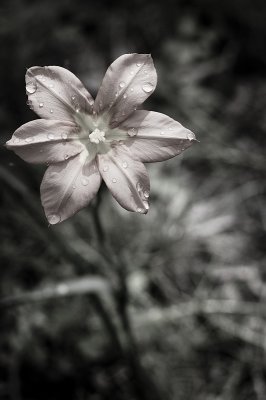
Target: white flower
(84, 141)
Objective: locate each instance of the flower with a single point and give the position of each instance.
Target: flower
(84, 141)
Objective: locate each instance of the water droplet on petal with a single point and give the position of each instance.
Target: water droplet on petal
(64, 135)
(29, 139)
(50, 136)
(190, 136)
(146, 204)
(122, 84)
(74, 186)
(31, 87)
(41, 105)
(51, 111)
(125, 96)
(132, 132)
(51, 85)
(105, 168)
(84, 181)
(114, 180)
(125, 165)
(73, 97)
(146, 194)
(139, 64)
(147, 88)
(66, 156)
(54, 219)
(132, 89)
(162, 133)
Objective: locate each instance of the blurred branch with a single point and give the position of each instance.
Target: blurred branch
(84, 285)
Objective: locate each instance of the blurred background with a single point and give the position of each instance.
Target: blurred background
(113, 305)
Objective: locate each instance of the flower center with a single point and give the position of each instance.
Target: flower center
(97, 136)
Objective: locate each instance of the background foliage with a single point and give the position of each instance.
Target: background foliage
(165, 306)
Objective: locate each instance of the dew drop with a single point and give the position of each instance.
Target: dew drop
(91, 102)
(73, 97)
(50, 136)
(31, 87)
(131, 72)
(147, 88)
(66, 156)
(132, 89)
(40, 105)
(162, 133)
(51, 85)
(190, 136)
(74, 187)
(29, 139)
(114, 180)
(64, 136)
(77, 108)
(125, 96)
(116, 95)
(105, 168)
(125, 165)
(51, 111)
(54, 219)
(146, 194)
(132, 132)
(171, 129)
(122, 84)
(84, 181)
(139, 64)
(146, 204)
(145, 71)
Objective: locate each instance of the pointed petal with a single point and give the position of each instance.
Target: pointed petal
(157, 137)
(45, 141)
(55, 93)
(127, 179)
(69, 186)
(128, 82)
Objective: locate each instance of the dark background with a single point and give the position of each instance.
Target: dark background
(113, 305)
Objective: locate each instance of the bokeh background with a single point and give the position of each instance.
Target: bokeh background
(113, 305)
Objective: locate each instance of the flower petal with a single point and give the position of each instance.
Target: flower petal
(126, 178)
(69, 186)
(55, 93)
(42, 141)
(155, 137)
(128, 82)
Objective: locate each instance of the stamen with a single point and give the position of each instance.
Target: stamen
(97, 136)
